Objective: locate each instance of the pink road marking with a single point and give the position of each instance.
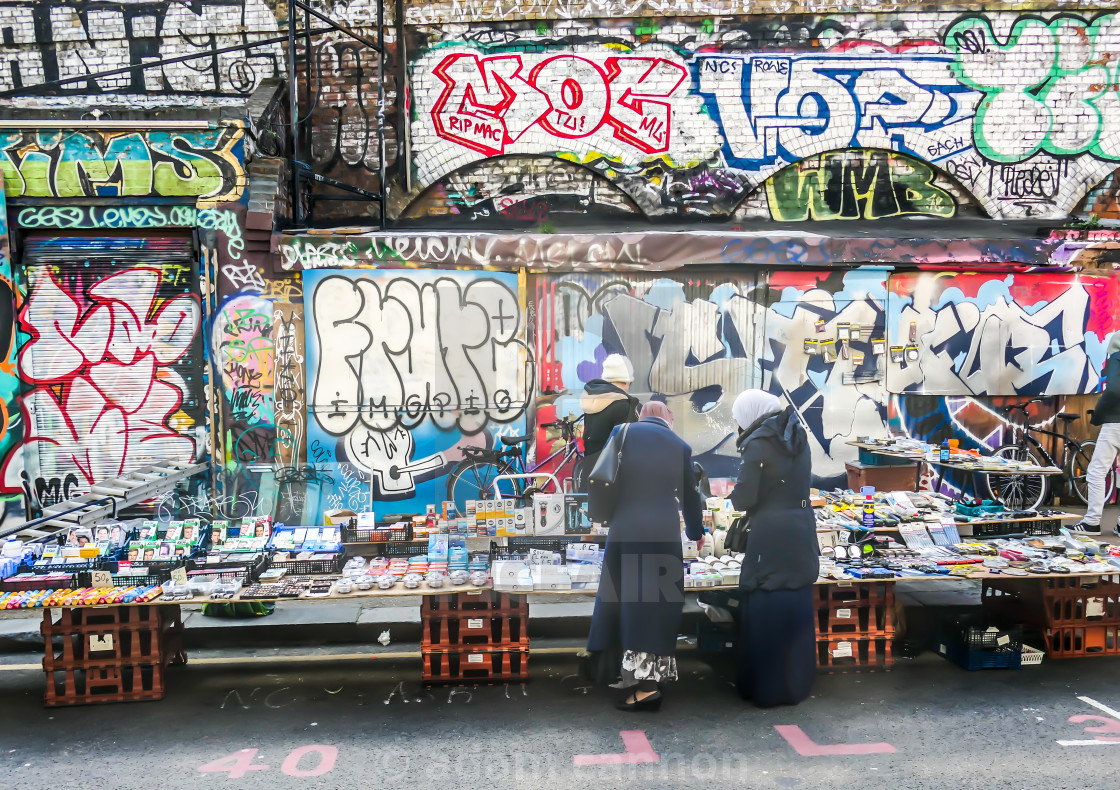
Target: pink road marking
(638, 750)
(806, 748)
(1110, 726)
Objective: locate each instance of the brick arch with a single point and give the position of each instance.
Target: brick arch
(517, 186)
(858, 183)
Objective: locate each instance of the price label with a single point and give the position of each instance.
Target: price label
(1003, 640)
(1094, 607)
(844, 614)
(475, 658)
(843, 650)
(179, 576)
(100, 642)
(101, 579)
(475, 623)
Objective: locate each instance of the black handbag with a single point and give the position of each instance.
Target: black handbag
(602, 489)
(737, 534)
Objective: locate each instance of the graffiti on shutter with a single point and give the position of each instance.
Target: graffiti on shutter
(112, 363)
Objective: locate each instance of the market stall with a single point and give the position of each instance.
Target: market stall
(112, 624)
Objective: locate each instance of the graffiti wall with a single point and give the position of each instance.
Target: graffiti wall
(66, 163)
(406, 368)
(112, 362)
(688, 117)
(11, 422)
(60, 41)
(243, 353)
(826, 353)
(976, 334)
(694, 343)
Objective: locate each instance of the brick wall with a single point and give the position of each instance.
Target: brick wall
(721, 101)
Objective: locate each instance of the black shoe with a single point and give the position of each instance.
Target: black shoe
(652, 702)
(1083, 528)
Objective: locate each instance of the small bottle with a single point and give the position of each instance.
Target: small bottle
(945, 451)
(868, 507)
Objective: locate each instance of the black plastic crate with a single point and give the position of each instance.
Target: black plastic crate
(249, 568)
(522, 546)
(352, 534)
(409, 549)
(96, 564)
(310, 567)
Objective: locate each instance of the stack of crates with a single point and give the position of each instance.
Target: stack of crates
(856, 626)
(109, 654)
(1078, 615)
(475, 638)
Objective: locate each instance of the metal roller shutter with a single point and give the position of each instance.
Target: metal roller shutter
(112, 370)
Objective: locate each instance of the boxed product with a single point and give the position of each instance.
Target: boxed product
(549, 516)
(551, 577)
(511, 576)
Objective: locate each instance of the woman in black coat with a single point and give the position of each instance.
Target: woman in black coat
(777, 642)
(641, 592)
(606, 404)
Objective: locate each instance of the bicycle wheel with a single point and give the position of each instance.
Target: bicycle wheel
(1017, 492)
(577, 473)
(1079, 465)
(472, 479)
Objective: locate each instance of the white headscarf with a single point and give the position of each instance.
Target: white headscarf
(753, 404)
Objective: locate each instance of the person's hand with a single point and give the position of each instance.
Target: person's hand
(700, 543)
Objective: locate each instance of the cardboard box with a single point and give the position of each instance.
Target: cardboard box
(338, 518)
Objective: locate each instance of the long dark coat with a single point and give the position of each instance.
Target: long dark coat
(782, 551)
(641, 593)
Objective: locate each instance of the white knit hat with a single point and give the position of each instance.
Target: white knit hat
(616, 369)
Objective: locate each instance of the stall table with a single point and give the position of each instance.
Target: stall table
(972, 469)
(113, 653)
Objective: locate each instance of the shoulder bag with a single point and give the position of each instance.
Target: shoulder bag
(603, 482)
(737, 534)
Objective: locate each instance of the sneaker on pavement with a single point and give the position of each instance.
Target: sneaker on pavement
(1084, 528)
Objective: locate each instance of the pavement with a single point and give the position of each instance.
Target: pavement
(324, 721)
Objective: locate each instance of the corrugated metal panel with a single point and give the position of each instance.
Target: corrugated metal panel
(113, 367)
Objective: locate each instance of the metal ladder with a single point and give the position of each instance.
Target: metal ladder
(105, 499)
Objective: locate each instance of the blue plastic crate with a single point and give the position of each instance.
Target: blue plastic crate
(957, 650)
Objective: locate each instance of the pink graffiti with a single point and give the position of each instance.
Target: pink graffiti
(104, 395)
(489, 103)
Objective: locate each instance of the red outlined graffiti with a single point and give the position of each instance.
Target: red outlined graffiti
(489, 103)
(105, 395)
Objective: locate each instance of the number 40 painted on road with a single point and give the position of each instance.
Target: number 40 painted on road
(241, 762)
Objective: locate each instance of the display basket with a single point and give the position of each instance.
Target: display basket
(353, 534)
(249, 569)
(308, 567)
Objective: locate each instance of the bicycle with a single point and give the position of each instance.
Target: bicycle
(473, 477)
(1028, 492)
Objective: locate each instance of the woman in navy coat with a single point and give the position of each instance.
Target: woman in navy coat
(641, 592)
(777, 641)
